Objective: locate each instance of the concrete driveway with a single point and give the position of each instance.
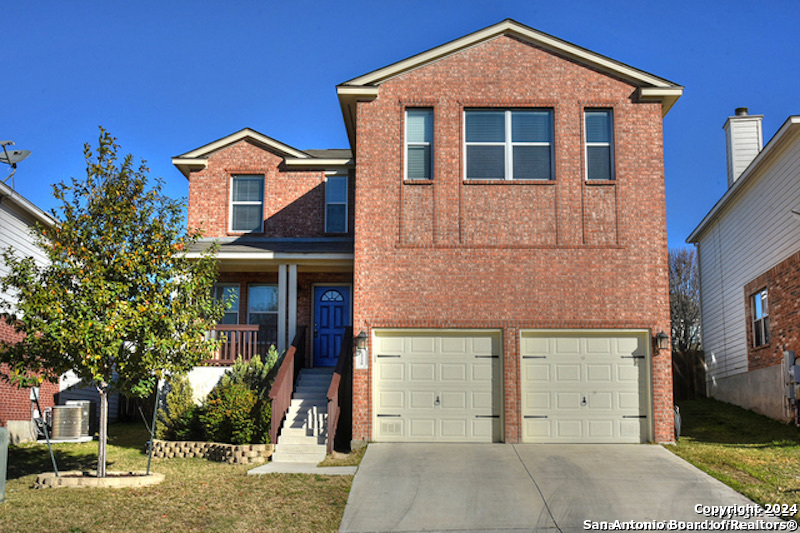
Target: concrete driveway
(525, 487)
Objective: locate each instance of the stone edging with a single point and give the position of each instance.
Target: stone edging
(78, 478)
(224, 453)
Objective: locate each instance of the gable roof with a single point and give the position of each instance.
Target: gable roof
(788, 131)
(365, 87)
(197, 159)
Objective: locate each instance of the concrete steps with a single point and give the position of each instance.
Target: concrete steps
(303, 435)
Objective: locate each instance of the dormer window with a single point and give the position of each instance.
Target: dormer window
(247, 204)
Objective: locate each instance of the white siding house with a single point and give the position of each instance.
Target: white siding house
(750, 231)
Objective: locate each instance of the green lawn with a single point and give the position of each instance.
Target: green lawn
(198, 495)
(753, 454)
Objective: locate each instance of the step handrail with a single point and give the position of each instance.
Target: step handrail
(337, 388)
(281, 392)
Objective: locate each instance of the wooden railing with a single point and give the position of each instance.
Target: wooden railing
(341, 384)
(283, 387)
(237, 340)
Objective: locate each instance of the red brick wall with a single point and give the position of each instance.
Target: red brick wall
(15, 403)
(560, 254)
(294, 201)
(783, 285)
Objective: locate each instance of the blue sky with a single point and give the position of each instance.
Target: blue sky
(165, 77)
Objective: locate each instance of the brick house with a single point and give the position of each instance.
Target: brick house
(18, 217)
(748, 247)
(497, 231)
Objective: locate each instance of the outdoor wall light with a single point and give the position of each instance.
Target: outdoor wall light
(662, 340)
(361, 340)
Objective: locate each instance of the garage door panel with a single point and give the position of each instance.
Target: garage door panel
(391, 400)
(454, 372)
(422, 428)
(391, 372)
(589, 387)
(421, 399)
(451, 383)
(569, 373)
(422, 371)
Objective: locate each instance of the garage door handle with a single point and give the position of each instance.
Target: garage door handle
(437, 402)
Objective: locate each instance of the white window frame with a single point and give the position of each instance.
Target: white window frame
(407, 144)
(235, 307)
(345, 202)
(609, 144)
(760, 323)
(509, 144)
(252, 177)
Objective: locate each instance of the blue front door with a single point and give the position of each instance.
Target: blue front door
(331, 317)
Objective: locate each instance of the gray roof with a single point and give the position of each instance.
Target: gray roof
(331, 153)
(287, 246)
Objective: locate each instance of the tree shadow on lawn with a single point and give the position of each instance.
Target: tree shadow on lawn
(30, 459)
(713, 421)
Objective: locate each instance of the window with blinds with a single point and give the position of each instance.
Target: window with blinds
(508, 144)
(599, 136)
(419, 144)
(247, 204)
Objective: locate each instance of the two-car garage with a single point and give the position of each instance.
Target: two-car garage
(450, 386)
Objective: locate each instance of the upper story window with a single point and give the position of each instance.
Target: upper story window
(419, 144)
(229, 294)
(247, 204)
(506, 144)
(760, 318)
(599, 131)
(336, 204)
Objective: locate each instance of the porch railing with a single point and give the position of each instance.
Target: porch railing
(283, 387)
(340, 389)
(237, 340)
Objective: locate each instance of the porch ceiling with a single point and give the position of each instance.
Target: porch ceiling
(264, 255)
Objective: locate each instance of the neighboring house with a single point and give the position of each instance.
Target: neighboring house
(18, 217)
(748, 247)
(497, 231)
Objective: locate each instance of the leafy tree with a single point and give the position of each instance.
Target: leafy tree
(684, 299)
(119, 303)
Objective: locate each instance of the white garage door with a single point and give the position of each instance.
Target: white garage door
(436, 385)
(585, 386)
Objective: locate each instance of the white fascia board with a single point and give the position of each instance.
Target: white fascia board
(9, 194)
(187, 165)
(790, 129)
(667, 95)
(317, 163)
(271, 256)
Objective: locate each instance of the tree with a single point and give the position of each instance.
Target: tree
(119, 303)
(684, 299)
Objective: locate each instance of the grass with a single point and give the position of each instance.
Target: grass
(341, 459)
(755, 455)
(197, 495)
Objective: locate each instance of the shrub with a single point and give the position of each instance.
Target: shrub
(179, 421)
(227, 415)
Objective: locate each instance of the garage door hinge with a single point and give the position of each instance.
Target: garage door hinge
(634, 416)
(487, 416)
(387, 356)
(535, 416)
(390, 416)
(487, 357)
(534, 357)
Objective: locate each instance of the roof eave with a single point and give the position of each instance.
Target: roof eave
(787, 131)
(320, 163)
(26, 205)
